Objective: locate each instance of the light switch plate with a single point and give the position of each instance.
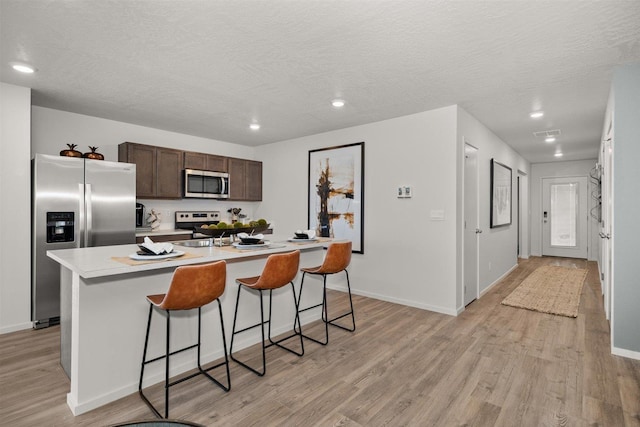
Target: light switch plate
(437, 215)
(404, 192)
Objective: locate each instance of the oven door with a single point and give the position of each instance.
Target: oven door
(206, 184)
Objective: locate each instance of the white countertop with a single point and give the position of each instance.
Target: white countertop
(97, 261)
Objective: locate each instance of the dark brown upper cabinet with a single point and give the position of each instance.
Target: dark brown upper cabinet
(207, 162)
(254, 180)
(245, 180)
(158, 170)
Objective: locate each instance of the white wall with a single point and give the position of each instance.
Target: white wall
(53, 129)
(407, 258)
(498, 246)
(15, 208)
(556, 170)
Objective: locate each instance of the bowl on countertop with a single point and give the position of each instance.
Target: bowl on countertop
(251, 240)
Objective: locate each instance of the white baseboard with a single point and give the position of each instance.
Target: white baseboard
(498, 280)
(488, 288)
(435, 308)
(15, 328)
(630, 354)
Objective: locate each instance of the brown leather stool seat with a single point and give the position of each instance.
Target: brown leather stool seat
(279, 270)
(191, 287)
(336, 260)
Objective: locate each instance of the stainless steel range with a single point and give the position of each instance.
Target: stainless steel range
(192, 220)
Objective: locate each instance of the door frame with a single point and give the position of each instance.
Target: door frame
(584, 205)
(476, 226)
(523, 214)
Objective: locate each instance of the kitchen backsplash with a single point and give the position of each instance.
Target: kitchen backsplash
(167, 209)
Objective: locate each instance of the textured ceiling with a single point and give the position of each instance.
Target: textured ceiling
(209, 68)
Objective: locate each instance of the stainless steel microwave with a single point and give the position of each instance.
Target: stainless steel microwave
(206, 184)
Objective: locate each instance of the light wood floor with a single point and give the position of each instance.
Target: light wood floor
(492, 365)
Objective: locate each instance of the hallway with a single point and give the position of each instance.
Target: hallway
(492, 365)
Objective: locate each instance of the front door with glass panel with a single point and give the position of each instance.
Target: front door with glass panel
(564, 217)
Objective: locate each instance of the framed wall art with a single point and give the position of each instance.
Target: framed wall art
(336, 193)
(500, 194)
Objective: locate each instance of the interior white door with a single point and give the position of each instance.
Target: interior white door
(564, 217)
(471, 224)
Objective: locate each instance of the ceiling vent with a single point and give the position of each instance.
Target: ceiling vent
(547, 133)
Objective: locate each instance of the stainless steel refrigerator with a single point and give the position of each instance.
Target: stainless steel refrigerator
(76, 203)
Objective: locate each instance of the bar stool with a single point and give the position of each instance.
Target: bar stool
(191, 287)
(336, 260)
(279, 270)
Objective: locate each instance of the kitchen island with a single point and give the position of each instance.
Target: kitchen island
(104, 313)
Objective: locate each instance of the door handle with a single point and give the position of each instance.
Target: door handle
(88, 238)
(81, 217)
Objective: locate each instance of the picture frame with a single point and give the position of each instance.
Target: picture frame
(501, 182)
(336, 193)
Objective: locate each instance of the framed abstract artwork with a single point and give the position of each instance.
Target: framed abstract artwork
(336, 193)
(500, 194)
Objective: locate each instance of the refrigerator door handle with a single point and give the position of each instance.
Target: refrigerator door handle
(87, 198)
(81, 218)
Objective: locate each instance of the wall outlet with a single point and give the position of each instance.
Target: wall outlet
(489, 266)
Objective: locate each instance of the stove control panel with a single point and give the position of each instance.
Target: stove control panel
(197, 216)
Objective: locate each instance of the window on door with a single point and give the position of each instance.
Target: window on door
(564, 206)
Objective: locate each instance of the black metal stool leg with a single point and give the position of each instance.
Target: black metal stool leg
(234, 332)
(144, 362)
(205, 372)
(268, 337)
(324, 308)
(325, 314)
(296, 320)
(166, 369)
(168, 353)
(353, 319)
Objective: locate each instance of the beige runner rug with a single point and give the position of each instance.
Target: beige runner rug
(550, 289)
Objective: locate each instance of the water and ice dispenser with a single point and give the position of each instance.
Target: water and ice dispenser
(60, 226)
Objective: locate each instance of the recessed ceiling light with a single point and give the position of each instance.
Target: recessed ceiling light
(558, 154)
(337, 103)
(550, 139)
(254, 126)
(536, 114)
(22, 67)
